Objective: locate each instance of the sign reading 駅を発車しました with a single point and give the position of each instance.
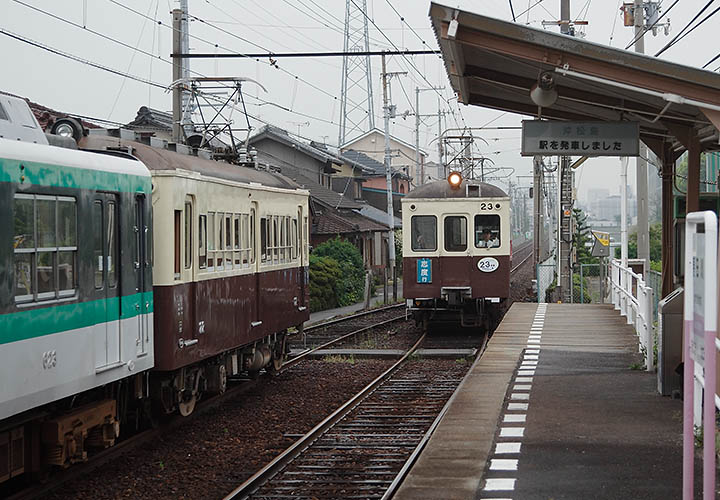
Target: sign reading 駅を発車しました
(547, 138)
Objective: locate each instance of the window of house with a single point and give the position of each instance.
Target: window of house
(487, 231)
(423, 233)
(44, 247)
(455, 233)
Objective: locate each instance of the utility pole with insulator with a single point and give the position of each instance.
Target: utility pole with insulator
(177, 101)
(389, 112)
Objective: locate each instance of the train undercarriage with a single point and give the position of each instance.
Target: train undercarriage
(456, 310)
(62, 433)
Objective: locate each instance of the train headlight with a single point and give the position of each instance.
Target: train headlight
(455, 179)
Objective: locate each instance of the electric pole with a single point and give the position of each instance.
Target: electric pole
(177, 101)
(389, 112)
(420, 167)
(643, 226)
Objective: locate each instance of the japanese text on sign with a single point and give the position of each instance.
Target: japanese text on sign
(580, 138)
(424, 271)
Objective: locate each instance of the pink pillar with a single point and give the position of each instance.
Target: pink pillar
(709, 418)
(688, 436)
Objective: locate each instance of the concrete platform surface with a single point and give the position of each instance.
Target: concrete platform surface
(554, 410)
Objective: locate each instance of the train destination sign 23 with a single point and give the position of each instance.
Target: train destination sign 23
(580, 138)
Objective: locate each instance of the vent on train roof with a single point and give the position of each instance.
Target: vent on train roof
(473, 190)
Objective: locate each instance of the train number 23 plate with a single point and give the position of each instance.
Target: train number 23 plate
(488, 264)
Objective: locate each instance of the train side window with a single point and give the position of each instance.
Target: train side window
(252, 236)
(111, 238)
(487, 231)
(263, 239)
(202, 241)
(228, 241)
(244, 240)
(275, 238)
(211, 240)
(98, 244)
(455, 233)
(294, 239)
(423, 233)
(188, 235)
(177, 236)
(237, 236)
(220, 240)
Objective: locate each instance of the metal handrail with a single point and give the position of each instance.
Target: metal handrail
(634, 299)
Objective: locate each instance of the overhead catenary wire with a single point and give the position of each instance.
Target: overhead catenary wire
(672, 42)
(696, 26)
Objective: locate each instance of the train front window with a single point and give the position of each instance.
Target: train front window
(487, 231)
(455, 233)
(423, 233)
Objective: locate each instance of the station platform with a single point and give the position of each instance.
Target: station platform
(555, 409)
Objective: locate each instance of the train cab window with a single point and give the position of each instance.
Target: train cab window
(202, 241)
(455, 233)
(423, 233)
(487, 231)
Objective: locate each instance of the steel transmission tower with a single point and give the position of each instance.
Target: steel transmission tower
(356, 98)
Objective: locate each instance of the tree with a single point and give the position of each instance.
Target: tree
(581, 238)
(350, 286)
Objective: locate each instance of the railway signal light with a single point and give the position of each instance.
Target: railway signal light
(455, 179)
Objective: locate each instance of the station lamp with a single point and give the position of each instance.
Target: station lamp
(454, 179)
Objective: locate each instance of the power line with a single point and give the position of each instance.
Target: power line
(696, 26)
(79, 59)
(512, 11)
(672, 42)
(282, 55)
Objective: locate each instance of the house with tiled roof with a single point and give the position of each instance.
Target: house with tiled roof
(374, 186)
(335, 199)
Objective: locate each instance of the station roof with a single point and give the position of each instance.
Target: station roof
(494, 64)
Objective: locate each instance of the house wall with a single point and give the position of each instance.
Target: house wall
(291, 161)
(373, 145)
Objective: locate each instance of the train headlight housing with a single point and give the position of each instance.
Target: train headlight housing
(454, 179)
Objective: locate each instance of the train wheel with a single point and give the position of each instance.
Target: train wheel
(278, 356)
(187, 405)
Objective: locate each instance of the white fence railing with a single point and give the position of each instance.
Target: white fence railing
(634, 298)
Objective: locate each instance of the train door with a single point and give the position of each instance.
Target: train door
(106, 272)
(140, 267)
(259, 240)
(301, 254)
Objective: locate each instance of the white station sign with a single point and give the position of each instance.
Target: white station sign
(488, 264)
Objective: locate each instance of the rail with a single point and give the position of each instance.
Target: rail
(634, 298)
(700, 346)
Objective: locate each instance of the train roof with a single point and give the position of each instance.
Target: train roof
(163, 159)
(442, 189)
(73, 158)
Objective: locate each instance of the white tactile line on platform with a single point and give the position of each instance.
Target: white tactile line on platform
(515, 412)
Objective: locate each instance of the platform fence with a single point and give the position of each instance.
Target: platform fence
(546, 282)
(634, 299)
(588, 286)
(654, 281)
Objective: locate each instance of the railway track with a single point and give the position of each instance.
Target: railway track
(349, 327)
(363, 449)
(522, 255)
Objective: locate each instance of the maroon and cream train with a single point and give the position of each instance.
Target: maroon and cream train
(456, 252)
(230, 275)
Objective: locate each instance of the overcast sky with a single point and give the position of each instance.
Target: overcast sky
(308, 87)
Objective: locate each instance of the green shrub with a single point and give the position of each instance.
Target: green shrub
(350, 286)
(324, 275)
